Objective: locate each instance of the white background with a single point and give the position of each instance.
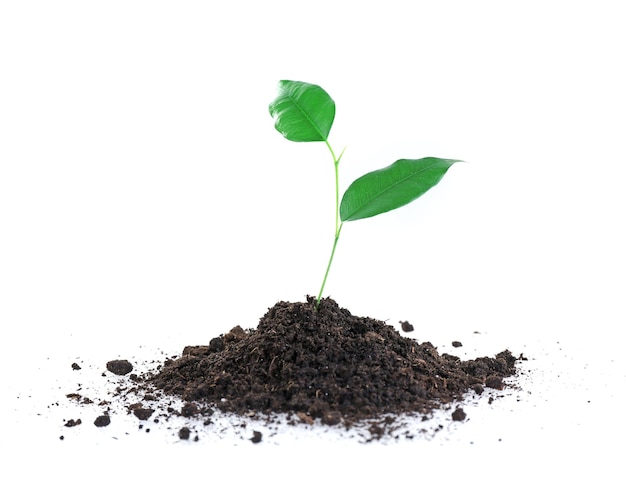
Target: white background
(146, 199)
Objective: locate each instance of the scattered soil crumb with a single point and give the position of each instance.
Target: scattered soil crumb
(143, 413)
(102, 421)
(119, 367)
(458, 414)
(407, 326)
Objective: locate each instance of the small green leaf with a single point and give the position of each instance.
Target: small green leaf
(392, 187)
(302, 112)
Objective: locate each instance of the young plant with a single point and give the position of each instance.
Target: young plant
(304, 112)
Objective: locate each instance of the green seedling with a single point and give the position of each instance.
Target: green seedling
(304, 112)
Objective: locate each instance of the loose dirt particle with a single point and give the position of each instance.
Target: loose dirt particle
(102, 421)
(458, 414)
(119, 367)
(406, 326)
(143, 413)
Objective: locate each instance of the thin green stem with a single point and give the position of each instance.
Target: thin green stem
(338, 224)
(330, 261)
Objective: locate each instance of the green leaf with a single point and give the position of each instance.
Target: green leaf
(392, 187)
(302, 112)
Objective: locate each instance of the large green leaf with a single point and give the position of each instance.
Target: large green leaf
(302, 112)
(392, 187)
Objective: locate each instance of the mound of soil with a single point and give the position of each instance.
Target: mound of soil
(324, 364)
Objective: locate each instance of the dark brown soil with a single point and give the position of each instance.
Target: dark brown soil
(323, 364)
(327, 364)
(119, 367)
(102, 421)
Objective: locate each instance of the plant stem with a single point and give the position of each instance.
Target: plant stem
(330, 261)
(338, 224)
